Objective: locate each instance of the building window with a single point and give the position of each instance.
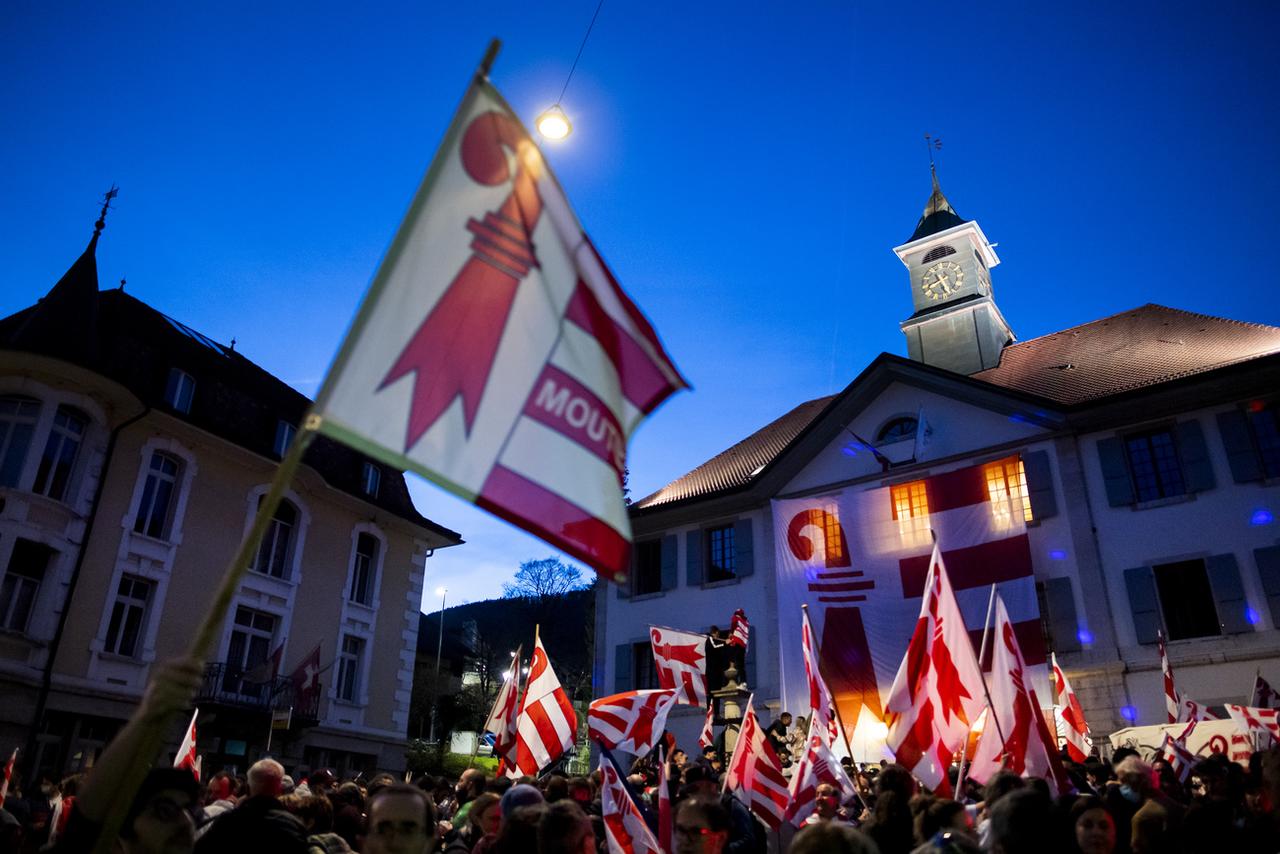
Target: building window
(250, 646)
(155, 509)
(349, 667)
(276, 551)
(370, 478)
(911, 511)
(1153, 459)
(27, 565)
(648, 569)
(128, 616)
(721, 559)
(362, 570)
(284, 437)
(180, 390)
(1186, 600)
(897, 430)
(1265, 423)
(643, 668)
(936, 253)
(1007, 489)
(60, 451)
(17, 423)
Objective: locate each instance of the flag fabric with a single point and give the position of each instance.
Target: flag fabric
(1074, 727)
(502, 718)
(937, 694)
(267, 669)
(680, 659)
(495, 353)
(547, 724)
(1263, 696)
(8, 775)
(1189, 711)
(1043, 758)
(739, 629)
(306, 679)
(755, 772)
(186, 755)
(1256, 722)
(198, 768)
(666, 820)
(1180, 759)
(859, 559)
(820, 702)
(924, 436)
(624, 827)
(708, 737)
(1009, 728)
(631, 721)
(1172, 701)
(818, 765)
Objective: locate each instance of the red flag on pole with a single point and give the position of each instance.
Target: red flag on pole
(755, 772)
(624, 826)
(1079, 742)
(1172, 702)
(1008, 730)
(306, 679)
(818, 765)
(631, 721)
(681, 661)
(8, 775)
(708, 737)
(1264, 697)
(739, 629)
(502, 718)
(547, 725)
(186, 756)
(820, 700)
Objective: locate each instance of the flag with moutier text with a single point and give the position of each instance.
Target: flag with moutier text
(495, 353)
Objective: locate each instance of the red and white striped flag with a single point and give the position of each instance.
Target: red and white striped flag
(186, 755)
(1256, 722)
(1172, 700)
(820, 702)
(1179, 758)
(8, 775)
(681, 662)
(1043, 758)
(739, 629)
(755, 773)
(1264, 697)
(818, 765)
(632, 721)
(1189, 711)
(1010, 717)
(666, 820)
(708, 737)
(624, 827)
(495, 353)
(937, 693)
(547, 725)
(502, 718)
(1076, 731)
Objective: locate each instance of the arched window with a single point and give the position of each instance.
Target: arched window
(155, 510)
(276, 551)
(897, 430)
(362, 570)
(17, 423)
(60, 452)
(937, 252)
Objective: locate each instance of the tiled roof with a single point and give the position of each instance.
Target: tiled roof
(738, 465)
(1142, 347)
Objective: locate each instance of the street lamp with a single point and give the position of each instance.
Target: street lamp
(553, 124)
(442, 592)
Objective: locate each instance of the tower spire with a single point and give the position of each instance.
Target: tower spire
(102, 215)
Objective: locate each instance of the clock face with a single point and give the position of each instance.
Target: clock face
(942, 280)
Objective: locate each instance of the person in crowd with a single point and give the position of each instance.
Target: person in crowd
(483, 820)
(831, 838)
(470, 785)
(777, 734)
(556, 789)
(259, 822)
(402, 820)
(798, 739)
(519, 832)
(891, 824)
(701, 826)
(745, 836)
(1093, 828)
(580, 792)
(316, 814)
(219, 796)
(826, 805)
(1019, 822)
(1140, 808)
(320, 782)
(565, 829)
(940, 815)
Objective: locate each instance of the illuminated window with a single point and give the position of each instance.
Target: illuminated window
(833, 537)
(911, 510)
(1007, 489)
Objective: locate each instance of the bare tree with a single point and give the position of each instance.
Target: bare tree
(540, 579)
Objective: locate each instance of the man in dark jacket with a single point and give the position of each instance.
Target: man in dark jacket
(258, 823)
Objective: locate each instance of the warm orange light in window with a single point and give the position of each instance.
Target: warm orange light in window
(1007, 489)
(911, 510)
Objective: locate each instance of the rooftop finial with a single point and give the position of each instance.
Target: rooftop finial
(106, 206)
(932, 144)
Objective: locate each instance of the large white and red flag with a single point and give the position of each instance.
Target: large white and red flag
(1264, 696)
(1256, 722)
(1010, 717)
(547, 725)
(739, 629)
(502, 718)
(632, 721)
(859, 559)
(186, 755)
(1043, 758)
(820, 703)
(818, 765)
(937, 694)
(755, 772)
(495, 353)
(707, 737)
(624, 827)
(8, 775)
(1071, 715)
(1172, 699)
(680, 659)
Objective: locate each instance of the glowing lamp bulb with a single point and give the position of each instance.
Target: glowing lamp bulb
(440, 591)
(553, 124)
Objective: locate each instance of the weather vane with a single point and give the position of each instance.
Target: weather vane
(933, 144)
(106, 206)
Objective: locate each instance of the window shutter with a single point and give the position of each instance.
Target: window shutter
(693, 558)
(749, 661)
(1040, 485)
(1195, 457)
(1236, 439)
(622, 667)
(1224, 578)
(744, 545)
(669, 578)
(1115, 472)
(1063, 625)
(1268, 560)
(1143, 602)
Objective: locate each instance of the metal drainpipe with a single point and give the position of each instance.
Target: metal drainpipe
(46, 679)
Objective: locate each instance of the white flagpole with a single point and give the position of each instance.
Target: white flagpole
(982, 651)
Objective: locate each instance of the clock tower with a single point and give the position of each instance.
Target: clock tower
(956, 324)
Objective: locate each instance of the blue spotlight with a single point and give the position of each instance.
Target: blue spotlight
(1129, 713)
(1085, 636)
(1057, 554)
(1262, 516)
(1252, 616)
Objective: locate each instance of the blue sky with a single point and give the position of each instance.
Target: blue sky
(744, 168)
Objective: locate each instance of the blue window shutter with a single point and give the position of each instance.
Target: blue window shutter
(622, 667)
(669, 578)
(1040, 485)
(1115, 472)
(744, 546)
(1238, 442)
(1141, 584)
(1224, 578)
(1063, 625)
(1268, 561)
(693, 558)
(749, 662)
(1195, 457)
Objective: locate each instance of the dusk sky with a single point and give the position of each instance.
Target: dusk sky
(745, 169)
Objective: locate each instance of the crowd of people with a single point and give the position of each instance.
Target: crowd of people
(1122, 805)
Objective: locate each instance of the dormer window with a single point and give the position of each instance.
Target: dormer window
(179, 391)
(937, 252)
(370, 480)
(284, 437)
(897, 430)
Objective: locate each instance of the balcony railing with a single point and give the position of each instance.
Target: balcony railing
(230, 685)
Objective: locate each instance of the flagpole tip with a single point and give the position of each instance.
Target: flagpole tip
(490, 55)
